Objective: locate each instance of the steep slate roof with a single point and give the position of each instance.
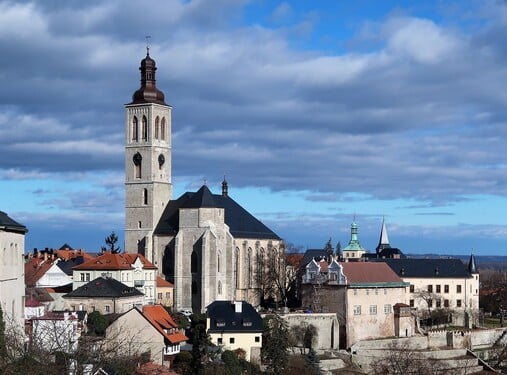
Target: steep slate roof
(159, 318)
(312, 254)
(390, 252)
(103, 287)
(427, 268)
(241, 223)
(9, 225)
(110, 261)
(366, 273)
(223, 313)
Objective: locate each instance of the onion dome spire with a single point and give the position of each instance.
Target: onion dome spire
(148, 93)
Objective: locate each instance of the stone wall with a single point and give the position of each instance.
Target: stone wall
(326, 324)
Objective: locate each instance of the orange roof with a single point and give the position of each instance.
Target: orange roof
(294, 260)
(159, 318)
(366, 272)
(35, 268)
(110, 261)
(67, 254)
(161, 283)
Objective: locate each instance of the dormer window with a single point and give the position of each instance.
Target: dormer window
(220, 323)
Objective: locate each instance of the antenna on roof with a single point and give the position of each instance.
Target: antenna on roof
(148, 37)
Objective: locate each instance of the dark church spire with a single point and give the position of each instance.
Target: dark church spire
(383, 242)
(148, 93)
(225, 188)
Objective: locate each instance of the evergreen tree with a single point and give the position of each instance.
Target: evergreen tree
(313, 361)
(111, 241)
(275, 344)
(338, 252)
(201, 343)
(329, 250)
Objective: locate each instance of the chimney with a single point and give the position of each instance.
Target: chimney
(237, 306)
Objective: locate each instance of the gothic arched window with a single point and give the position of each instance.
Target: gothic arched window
(145, 196)
(219, 288)
(145, 129)
(218, 261)
(249, 268)
(135, 129)
(162, 129)
(137, 159)
(157, 125)
(236, 267)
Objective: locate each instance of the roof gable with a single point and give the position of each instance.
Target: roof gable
(369, 273)
(241, 223)
(224, 318)
(115, 261)
(104, 287)
(428, 268)
(159, 318)
(9, 225)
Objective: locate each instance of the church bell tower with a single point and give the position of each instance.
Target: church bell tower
(148, 184)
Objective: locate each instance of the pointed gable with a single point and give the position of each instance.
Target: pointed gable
(110, 261)
(163, 323)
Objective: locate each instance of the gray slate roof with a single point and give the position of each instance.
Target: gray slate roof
(103, 287)
(223, 317)
(9, 225)
(427, 268)
(241, 223)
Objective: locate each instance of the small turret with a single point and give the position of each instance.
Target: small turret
(472, 266)
(225, 188)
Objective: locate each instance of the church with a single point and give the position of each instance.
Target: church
(209, 246)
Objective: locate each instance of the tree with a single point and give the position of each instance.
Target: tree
(111, 241)
(201, 344)
(338, 252)
(97, 323)
(275, 346)
(397, 360)
(328, 248)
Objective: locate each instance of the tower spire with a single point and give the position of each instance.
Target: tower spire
(383, 242)
(225, 188)
(148, 92)
(472, 266)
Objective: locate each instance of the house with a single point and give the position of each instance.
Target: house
(440, 284)
(362, 294)
(50, 268)
(147, 329)
(12, 286)
(165, 292)
(104, 294)
(206, 244)
(235, 325)
(57, 331)
(133, 270)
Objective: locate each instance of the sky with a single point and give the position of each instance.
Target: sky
(318, 113)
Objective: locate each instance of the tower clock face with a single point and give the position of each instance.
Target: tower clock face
(137, 158)
(161, 160)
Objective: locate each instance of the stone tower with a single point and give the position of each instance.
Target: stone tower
(148, 185)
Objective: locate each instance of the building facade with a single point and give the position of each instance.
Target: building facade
(206, 244)
(12, 283)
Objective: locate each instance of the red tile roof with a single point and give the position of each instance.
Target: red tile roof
(66, 254)
(158, 316)
(366, 272)
(161, 283)
(110, 261)
(35, 268)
